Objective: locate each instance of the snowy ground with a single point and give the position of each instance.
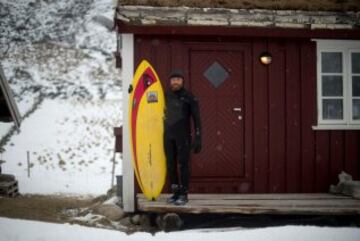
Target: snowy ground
(57, 57)
(70, 147)
(18, 230)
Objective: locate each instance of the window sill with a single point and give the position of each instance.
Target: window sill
(335, 127)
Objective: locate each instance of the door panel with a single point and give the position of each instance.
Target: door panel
(217, 79)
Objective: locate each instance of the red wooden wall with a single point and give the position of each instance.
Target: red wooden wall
(282, 152)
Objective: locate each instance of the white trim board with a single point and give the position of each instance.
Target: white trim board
(127, 55)
(336, 127)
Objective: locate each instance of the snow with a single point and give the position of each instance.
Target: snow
(18, 230)
(112, 200)
(57, 57)
(71, 147)
(89, 218)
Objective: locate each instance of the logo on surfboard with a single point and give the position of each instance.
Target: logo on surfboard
(152, 97)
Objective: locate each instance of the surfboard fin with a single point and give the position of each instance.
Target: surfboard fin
(130, 89)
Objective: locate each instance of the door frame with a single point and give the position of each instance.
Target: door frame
(245, 47)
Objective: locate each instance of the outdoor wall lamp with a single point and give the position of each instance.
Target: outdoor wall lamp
(265, 58)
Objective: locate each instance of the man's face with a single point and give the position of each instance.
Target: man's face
(176, 83)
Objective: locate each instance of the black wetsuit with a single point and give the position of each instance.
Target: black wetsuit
(181, 105)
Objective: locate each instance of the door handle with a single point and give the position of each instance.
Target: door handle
(238, 109)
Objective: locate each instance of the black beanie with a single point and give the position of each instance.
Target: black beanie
(176, 73)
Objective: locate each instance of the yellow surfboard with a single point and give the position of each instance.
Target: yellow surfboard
(146, 112)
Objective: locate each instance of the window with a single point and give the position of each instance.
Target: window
(216, 74)
(355, 85)
(338, 84)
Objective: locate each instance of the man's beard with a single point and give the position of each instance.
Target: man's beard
(175, 87)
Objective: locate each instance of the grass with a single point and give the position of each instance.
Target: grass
(41, 207)
(308, 5)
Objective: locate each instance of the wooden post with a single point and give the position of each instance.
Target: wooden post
(127, 170)
(28, 163)
(113, 167)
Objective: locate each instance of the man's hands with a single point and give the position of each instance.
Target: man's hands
(197, 143)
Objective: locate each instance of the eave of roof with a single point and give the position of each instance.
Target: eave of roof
(307, 5)
(184, 16)
(9, 99)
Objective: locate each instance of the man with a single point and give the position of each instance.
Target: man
(181, 105)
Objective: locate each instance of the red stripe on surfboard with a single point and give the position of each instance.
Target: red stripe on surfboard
(138, 94)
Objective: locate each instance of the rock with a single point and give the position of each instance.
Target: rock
(346, 186)
(159, 222)
(351, 188)
(111, 211)
(135, 219)
(126, 221)
(144, 221)
(344, 177)
(141, 219)
(170, 222)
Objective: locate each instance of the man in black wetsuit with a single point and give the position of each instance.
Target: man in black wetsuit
(181, 105)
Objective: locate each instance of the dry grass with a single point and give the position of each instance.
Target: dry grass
(309, 5)
(42, 208)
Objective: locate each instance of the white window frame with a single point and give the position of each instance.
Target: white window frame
(346, 47)
(352, 121)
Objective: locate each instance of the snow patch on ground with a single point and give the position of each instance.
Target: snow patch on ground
(113, 200)
(71, 148)
(90, 218)
(14, 229)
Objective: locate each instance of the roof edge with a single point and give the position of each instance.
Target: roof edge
(306, 5)
(11, 104)
(186, 16)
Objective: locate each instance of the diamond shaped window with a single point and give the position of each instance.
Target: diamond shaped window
(216, 74)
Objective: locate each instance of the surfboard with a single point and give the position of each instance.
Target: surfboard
(146, 112)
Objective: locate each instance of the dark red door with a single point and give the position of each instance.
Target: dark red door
(217, 76)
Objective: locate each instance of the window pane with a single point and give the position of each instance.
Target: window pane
(332, 109)
(356, 109)
(332, 86)
(355, 63)
(216, 74)
(356, 85)
(331, 62)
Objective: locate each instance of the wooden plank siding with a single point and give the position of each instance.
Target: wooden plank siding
(307, 115)
(260, 116)
(283, 154)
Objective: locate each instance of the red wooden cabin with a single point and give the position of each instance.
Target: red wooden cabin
(290, 126)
